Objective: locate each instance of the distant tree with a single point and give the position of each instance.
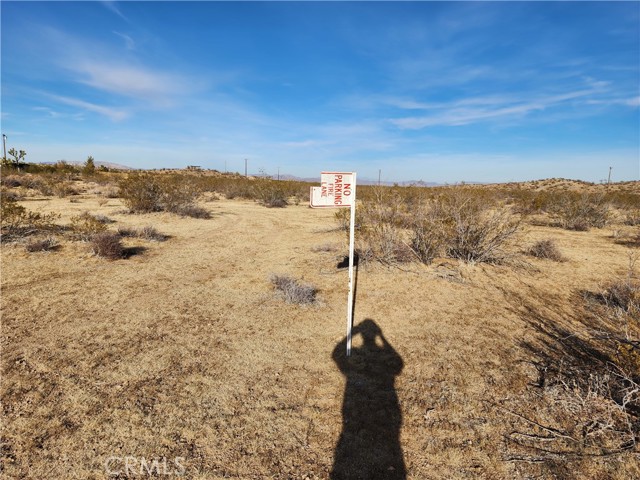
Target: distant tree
(89, 166)
(18, 157)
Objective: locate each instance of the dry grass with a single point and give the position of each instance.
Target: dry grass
(147, 233)
(294, 291)
(185, 352)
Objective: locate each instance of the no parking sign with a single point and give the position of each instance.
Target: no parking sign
(338, 190)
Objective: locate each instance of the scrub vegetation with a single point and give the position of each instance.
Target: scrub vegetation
(510, 313)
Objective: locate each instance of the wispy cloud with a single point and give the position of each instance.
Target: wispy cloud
(474, 110)
(110, 112)
(114, 8)
(131, 81)
(128, 41)
(108, 69)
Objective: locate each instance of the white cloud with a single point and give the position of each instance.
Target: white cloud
(112, 113)
(633, 102)
(114, 8)
(131, 81)
(476, 109)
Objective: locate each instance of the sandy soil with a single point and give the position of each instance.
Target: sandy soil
(185, 351)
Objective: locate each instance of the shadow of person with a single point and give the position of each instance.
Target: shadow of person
(369, 445)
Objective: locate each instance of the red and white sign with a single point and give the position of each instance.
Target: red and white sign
(337, 189)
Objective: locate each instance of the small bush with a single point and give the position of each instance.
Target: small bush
(271, 194)
(141, 193)
(397, 226)
(16, 221)
(192, 211)
(293, 290)
(632, 217)
(343, 217)
(103, 218)
(127, 232)
(155, 193)
(623, 294)
(111, 193)
(10, 195)
(147, 233)
(85, 225)
(546, 249)
(581, 212)
(107, 245)
(150, 233)
(44, 245)
(11, 181)
(428, 234)
(474, 234)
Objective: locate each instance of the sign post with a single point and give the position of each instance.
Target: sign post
(338, 190)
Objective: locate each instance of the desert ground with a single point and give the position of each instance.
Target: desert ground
(184, 354)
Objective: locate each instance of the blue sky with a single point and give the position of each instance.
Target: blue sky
(433, 91)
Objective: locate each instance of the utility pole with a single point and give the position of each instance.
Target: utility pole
(609, 179)
(245, 167)
(4, 146)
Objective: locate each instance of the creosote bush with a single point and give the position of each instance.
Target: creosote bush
(580, 212)
(143, 193)
(85, 225)
(17, 222)
(107, 245)
(472, 232)
(546, 249)
(293, 290)
(457, 222)
(271, 194)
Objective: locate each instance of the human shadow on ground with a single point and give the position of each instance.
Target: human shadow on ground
(369, 445)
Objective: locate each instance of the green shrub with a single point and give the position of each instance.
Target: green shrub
(456, 222)
(145, 192)
(270, 194)
(85, 226)
(141, 193)
(17, 222)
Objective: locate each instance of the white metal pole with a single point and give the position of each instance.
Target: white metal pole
(352, 229)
